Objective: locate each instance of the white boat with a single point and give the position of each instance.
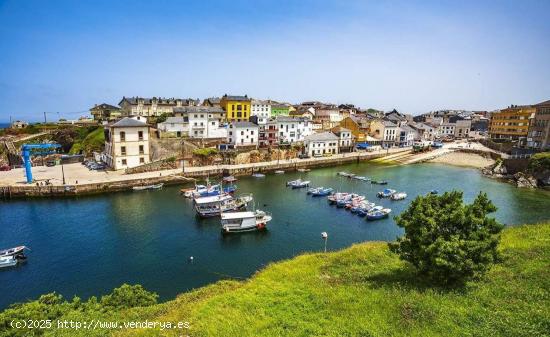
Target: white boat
(7, 261)
(378, 213)
(279, 172)
(12, 251)
(303, 170)
(258, 175)
(388, 192)
(217, 204)
(148, 187)
(301, 184)
(294, 182)
(232, 222)
(398, 196)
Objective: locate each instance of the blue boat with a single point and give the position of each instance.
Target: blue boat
(378, 213)
(386, 193)
(321, 192)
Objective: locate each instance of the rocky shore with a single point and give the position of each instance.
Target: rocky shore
(521, 179)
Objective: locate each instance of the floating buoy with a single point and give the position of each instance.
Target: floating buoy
(191, 259)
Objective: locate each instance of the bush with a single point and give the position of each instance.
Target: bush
(448, 241)
(205, 152)
(539, 162)
(128, 296)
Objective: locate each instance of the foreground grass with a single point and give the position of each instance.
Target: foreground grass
(366, 291)
(360, 291)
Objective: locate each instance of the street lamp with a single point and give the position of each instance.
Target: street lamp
(324, 236)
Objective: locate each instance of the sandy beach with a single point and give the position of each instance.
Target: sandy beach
(463, 159)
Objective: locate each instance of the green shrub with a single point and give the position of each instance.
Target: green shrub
(206, 152)
(448, 241)
(539, 162)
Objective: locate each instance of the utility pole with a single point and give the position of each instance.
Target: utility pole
(62, 171)
(45, 117)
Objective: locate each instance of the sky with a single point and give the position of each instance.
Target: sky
(415, 56)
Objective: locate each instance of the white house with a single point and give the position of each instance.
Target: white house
(262, 109)
(319, 144)
(203, 121)
(385, 131)
(446, 129)
(242, 134)
(462, 129)
(406, 135)
(126, 144)
(174, 127)
(292, 129)
(345, 137)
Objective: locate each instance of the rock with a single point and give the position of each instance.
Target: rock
(525, 180)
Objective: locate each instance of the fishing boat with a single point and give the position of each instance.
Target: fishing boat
(321, 192)
(234, 222)
(301, 184)
(398, 196)
(345, 174)
(361, 178)
(148, 187)
(8, 261)
(12, 251)
(229, 179)
(386, 193)
(379, 182)
(434, 192)
(332, 199)
(378, 213)
(258, 175)
(279, 172)
(217, 204)
(207, 190)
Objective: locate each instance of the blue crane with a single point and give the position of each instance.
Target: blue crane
(46, 148)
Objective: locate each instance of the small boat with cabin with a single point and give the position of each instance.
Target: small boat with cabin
(398, 196)
(229, 179)
(386, 193)
(258, 175)
(378, 213)
(217, 204)
(13, 251)
(301, 184)
(8, 261)
(234, 222)
(321, 192)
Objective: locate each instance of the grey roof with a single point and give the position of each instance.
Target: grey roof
(175, 120)
(160, 100)
(244, 125)
(105, 106)
(213, 100)
(236, 98)
(289, 119)
(388, 123)
(321, 136)
(127, 122)
(407, 128)
(193, 109)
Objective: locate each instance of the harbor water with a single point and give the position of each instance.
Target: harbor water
(89, 245)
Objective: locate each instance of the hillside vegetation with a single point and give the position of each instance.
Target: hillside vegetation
(361, 291)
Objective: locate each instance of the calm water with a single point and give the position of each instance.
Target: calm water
(87, 246)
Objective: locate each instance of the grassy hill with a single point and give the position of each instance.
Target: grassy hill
(362, 291)
(93, 141)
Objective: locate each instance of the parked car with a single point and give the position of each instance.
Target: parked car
(50, 163)
(303, 156)
(5, 168)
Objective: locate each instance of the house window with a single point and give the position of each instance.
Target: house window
(123, 161)
(123, 150)
(122, 136)
(141, 149)
(140, 135)
(141, 160)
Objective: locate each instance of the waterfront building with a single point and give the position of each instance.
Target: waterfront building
(203, 121)
(279, 110)
(105, 112)
(292, 129)
(358, 125)
(155, 106)
(126, 143)
(539, 128)
(407, 135)
(345, 142)
(237, 108)
(242, 134)
(322, 143)
(511, 123)
(462, 128)
(446, 130)
(328, 115)
(385, 131)
(174, 127)
(424, 131)
(262, 110)
(268, 132)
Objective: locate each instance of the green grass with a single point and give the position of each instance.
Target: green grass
(362, 291)
(367, 291)
(93, 141)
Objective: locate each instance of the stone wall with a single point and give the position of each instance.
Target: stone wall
(166, 164)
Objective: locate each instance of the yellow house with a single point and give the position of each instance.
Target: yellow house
(237, 108)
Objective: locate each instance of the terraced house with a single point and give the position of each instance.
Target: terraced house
(539, 128)
(237, 108)
(140, 106)
(511, 123)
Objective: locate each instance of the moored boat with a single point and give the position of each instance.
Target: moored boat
(258, 175)
(12, 251)
(301, 184)
(233, 222)
(398, 196)
(386, 193)
(378, 213)
(379, 182)
(279, 172)
(303, 170)
(148, 187)
(321, 192)
(217, 204)
(8, 261)
(229, 179)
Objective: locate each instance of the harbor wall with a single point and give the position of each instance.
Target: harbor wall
(9, 192)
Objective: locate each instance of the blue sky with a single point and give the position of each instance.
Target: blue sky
(415, 56)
